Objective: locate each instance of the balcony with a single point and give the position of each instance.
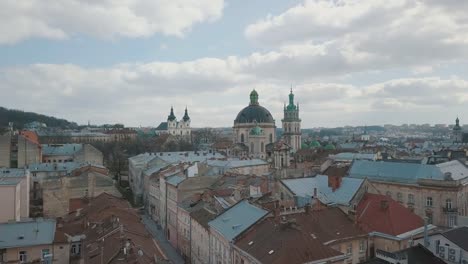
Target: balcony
(449, 210)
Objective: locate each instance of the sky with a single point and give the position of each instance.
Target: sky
(349, 62)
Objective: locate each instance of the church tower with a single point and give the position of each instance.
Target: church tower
(457, 132)
(292, 124)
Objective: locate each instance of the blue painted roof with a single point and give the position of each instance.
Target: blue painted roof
(175, 180)
(237, 219)
(60, 149)
(47, 167)
(27, 233)
(394, 171)
(304, 189)
(12, 172)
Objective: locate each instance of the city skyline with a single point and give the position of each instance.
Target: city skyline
(348, 62)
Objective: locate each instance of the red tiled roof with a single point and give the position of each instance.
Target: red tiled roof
(307, 237)
(379, 213)
(31, 136)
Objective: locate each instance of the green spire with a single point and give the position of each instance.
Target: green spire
(186, 117)
(171, 116)
(291, 105)
(254, 97)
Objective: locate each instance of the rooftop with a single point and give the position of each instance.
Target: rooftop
(236, 163)
(12, 172)
(348, 156)
(458, 236)
(394, 171)
(379, 213)
(299, 238)
(27, 233)
(60, 149)
(237, 219)
(304, 187)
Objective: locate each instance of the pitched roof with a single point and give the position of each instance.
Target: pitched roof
(379, 213)
(394, 171)
(237, 219)
(60, 149)
(304, 187)
(301, 238)
(458, 236)
(162, 126)
(27, 233)
(348, 156)
(203, 216)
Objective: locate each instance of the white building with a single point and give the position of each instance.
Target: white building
(176, 128)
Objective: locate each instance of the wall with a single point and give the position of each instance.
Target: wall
(200, 243)
(183, 233)
(445, 242)
(439, 196)
(357, 255)
(33, 253)
(10, 207)
(5, 141)
(58, 192)
(220, 248)
(89, 154)
(28, 152)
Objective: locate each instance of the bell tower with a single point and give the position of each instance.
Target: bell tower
(292, 124)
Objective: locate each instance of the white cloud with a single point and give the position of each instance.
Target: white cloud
(20, 20)
(215, 90)
(365, 35)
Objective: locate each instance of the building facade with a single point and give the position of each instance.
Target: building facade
(176, 128)
(254, 128)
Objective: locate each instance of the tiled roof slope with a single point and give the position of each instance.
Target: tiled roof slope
(379, 213)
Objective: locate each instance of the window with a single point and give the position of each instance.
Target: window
(23, 256)
(271, 138)
(251, 147)
(242, 138)
(452, 220)
(400, 197)
(429, 201)
(349, 250)
(361, 246)
(389, 194)
(261, 147)
(411, 198)
(448, 204)
(76, 249)
(45, 252)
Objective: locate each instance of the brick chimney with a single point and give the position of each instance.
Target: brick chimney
(334, 182)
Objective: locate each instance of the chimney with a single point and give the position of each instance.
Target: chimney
(315, 192)
(426, 238)
(334, 182)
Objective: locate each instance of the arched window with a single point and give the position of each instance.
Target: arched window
(261, 147)
(271, 138)
(251, 147)
(448, 204)
(242, 138)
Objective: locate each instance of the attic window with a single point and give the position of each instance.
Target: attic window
(236, 226)
(251, 243)
(21, 237)
(271, 252)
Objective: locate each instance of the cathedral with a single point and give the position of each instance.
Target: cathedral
(176, 128)
(255, 130)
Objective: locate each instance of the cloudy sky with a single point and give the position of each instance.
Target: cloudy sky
(350, 62)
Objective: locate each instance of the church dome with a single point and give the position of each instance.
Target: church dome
(254, 112)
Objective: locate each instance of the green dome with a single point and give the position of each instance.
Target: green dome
(329, 146)
(315, 144)
(256, 131)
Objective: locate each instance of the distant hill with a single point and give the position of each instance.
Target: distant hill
(20, 118)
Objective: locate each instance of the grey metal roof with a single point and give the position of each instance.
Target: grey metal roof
(304, 189)
(236, 163)
(12, 172)
(48, 167)
(27, 233)
(456, 169)
(60, 149)
(348, 156)
(9, 181)
(237, 219)
(162, 126)
(175, 180)
(394, 171)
